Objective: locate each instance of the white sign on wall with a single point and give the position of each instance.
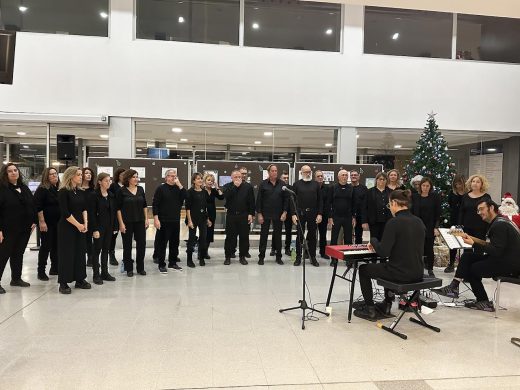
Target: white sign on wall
(489, 165)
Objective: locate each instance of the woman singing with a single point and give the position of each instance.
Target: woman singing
(214, 193)
(197, 215)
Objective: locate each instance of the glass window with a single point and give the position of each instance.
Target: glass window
(74, 17)
(302, 25)
(206, 21)
(488, 38)
(405, 32)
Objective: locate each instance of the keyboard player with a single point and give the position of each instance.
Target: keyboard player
(403, 244)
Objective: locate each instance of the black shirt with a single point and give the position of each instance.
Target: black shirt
(102, 212)
(271, 200)
(197, 203)
(212, 208)
(503, 242)
(403, 244)
(167, 202)
(308, 196)
(428, 209)
(376, 210)
(46, 200)
(326, 199)
(131, 205)
(454, 201)
(17, 210)
(239, 200)
(468, 217)
(114, 188)
(342, 201)
(72, 203)
(360, 196)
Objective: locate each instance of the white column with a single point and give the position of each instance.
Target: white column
(121, 22)
(347, 145)
(353, 21)
(121, 137)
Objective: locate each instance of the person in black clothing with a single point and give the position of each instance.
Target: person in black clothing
(341, 210)
(271, 207)
(310, 210)
(17, 221)
(323, 225)
(403, 244)
(427, 206)
(214, 193)
(102, 213)
(132, 214)
(72, 227)
(116, 185)
(454, 201)
(240, 205)
(246, 179)
(360, 195)
(394, 180)
(48, 208)
(476, 185)
(376, 213)
(500, 257)
(87, 185)
(167, 204)
(287, 224)
(197, 215)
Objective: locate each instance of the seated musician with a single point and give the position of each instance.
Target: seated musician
(500, 257)
(403, 244)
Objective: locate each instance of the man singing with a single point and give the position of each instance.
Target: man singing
(322, 226)
(360, 195)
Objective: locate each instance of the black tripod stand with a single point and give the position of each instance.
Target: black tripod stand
(303, 303)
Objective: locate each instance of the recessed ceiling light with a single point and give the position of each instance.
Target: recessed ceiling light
(328, 145)
(329, 31)
(491, 149)
(23, 8)
(398, 146)
(184, 139)
(139, 150)
(395, 36)
(21, 133)
(103, 14)
(268, 133)
(255, 26)
(181, 19)
(104, 136)
(177, 130)
(357, 135)
(244, 153)
(56, 164)
(171, 145)
(25, 146)
(258, 142)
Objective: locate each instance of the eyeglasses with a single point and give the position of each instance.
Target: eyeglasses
(381, 178)
(480, 209)
(319, 175)
(388, 205)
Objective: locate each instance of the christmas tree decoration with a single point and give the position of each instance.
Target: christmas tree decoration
(431, 159)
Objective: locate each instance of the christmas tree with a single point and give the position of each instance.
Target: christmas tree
(430, 158)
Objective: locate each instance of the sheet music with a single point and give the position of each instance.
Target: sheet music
(452, 241)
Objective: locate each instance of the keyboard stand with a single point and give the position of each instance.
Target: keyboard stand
(351, 266)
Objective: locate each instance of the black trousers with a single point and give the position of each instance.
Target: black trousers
(89, 247)
(428, 252)
(475, 266)
(377, 229)
(136, 231)
(287, 226)
(192, 239)
(276, 237)
(236, 225)
(346, 224)
(12, 249)
(101, 246)
(71, 251)
(167, 236)
(358, 232)
(308, 221)
(322, 232)
(113, 242)
(48, 246)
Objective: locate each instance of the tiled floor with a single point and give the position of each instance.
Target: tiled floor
(219, 327)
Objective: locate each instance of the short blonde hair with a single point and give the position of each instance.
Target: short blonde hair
(206, 176)
(68, 175)
(483, 180)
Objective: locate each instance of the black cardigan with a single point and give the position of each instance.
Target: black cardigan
(102, 212)
(428, 209)
(370, 214)
(17, 210)
(46, 200)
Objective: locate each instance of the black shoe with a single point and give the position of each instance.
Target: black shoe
(97, 279)
(2, 290)
(43, 276)
(279, 261)
(447, 291)
(84, 285)
(384, 308)
(207, 257)
(297, 262)
(19, 283)
(233, 256)
(480, 305)
(272, 253)
(449, 269)
(190, 264)
(129, 273)
(315, 263)
(287, 252)
(430, 273)
(107, 277)
(248, 255)
(358, 304)
(175, 267)
(163, 270)
(367, 313)
(324, 256)
(333, 262)
(260, 261)
(64, 289)
(53, 272)
(227, 261)
(202, 263)
(243, 261)
(113, 260)
(142, 273)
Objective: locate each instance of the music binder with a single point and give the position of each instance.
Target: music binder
(453, 242)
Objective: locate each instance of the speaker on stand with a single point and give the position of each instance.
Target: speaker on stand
(66, 148)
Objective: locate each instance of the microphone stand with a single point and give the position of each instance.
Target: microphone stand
(303, 303)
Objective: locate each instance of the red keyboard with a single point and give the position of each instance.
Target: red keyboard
(350, 252)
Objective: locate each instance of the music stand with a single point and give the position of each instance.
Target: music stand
(303, 303)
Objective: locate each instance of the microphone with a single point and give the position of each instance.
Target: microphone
(285, 188)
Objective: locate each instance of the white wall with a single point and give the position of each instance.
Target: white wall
(154, 79)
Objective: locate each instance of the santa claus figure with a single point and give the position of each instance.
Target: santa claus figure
(509, 208)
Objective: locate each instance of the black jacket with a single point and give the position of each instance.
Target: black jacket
(17, 210)
(342, 201)
(360, 198)
(102, 212)
(46, 200)
(167, 202)
(212, 207)
(239, 200)
(371, 212)
(403, 244)
(429, 210)
(197, 203)
(271, 200)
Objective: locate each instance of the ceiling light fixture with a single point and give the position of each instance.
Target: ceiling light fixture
(255, 26)
(177, 130)
(103, 14)
(181, 19)
(268, 133)
(395, 36)
(25, 146)
(357, 135)
(328, 145)
(23, 8)
(398, 146)
(184, 139)
(104, 136)
(329, 31)
(21, 133)
(258, 142)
